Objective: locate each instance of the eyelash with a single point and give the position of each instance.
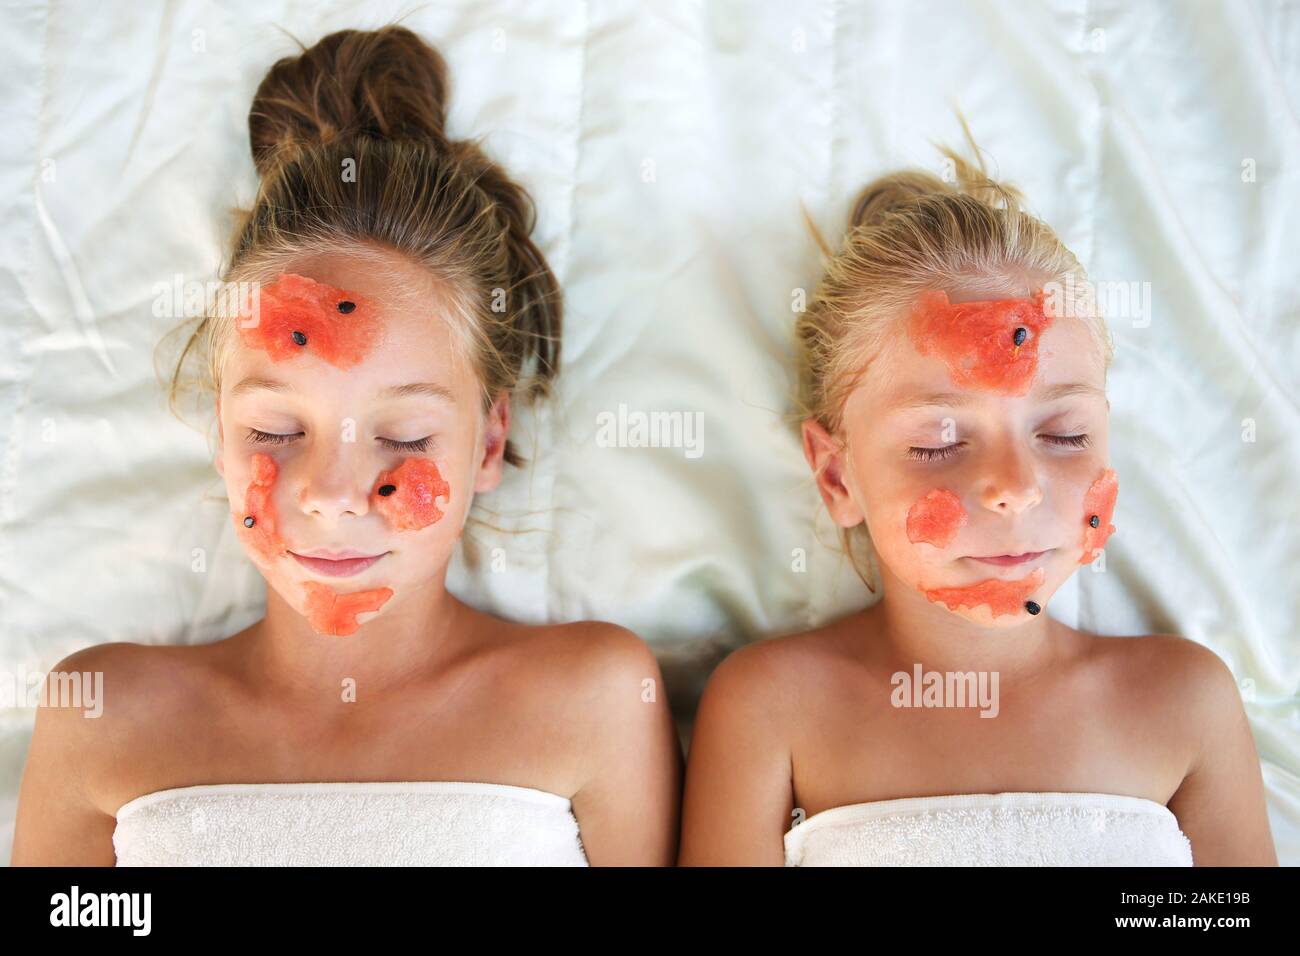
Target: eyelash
(932, 454)
(269, 438)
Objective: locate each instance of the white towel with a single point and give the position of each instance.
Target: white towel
(422, 823)
(992, 829)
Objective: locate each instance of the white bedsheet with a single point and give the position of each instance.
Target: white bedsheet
(669, 146)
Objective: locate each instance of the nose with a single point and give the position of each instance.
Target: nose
(335, 480)
(1012, 485)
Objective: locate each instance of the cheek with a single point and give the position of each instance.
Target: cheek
(932, 523)
(407, 495)
(910, 530)
(935, 518)
(1098, 509)
(406, 498)
(257, 524)
(913, 550)
(297, 316)
(992, 346)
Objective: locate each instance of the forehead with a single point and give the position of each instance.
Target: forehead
(409, 311)
(1067, 354)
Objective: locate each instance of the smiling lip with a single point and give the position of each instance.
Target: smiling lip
(337, 564)
(1005, 560)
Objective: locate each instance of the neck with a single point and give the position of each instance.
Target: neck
(916, 630)
(408, 638)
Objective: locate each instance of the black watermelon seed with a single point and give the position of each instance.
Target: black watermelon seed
(299, 337)
(345, 306)
(387, 490)
(1095, 521)
(1032, 607)
(249, 522)
(1021, 334)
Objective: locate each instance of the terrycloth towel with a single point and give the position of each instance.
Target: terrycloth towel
(425, 823)
(992, 829)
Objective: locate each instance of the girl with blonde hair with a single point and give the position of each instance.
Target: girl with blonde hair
(953, 376)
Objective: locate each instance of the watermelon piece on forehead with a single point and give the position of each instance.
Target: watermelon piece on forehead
(990, 345)
(298, 316)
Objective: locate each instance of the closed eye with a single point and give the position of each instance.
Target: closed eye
(271, 438)
(1074, 441)
(933, 454)
(419, 445)
(947, 451)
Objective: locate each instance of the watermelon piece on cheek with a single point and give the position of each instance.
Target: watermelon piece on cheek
(1098, 509)
(298, 316)
(935, 518)
(329, 612)
(1002, 597)
(257, 523)
(406, 495)
(992, 346)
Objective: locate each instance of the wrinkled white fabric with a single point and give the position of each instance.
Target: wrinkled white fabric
(430, 823)
(992, 829)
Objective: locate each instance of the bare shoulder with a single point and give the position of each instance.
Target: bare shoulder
(777, 678)
(801, 653)
(125, 678)
(1172, 665)
(1220, 801)
(604, 648)
(587, 656)
(96, 701)
(752, 717)
(616, 671)
(158, 690)
(595, 676)
(612, 678)
(1177, 680)
(1201, 681)
(143, 680)
(597, 689)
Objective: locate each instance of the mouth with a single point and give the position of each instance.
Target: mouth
(1009, 560)
(337, 564)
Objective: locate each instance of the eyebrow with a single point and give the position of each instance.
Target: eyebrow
(958, 399)
(252, 384)
(425, 389)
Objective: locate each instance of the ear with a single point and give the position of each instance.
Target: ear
(825, 455)
(221, 445)
(492, 464)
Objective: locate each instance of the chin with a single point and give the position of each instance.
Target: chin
(958, 576)
(1003, 622)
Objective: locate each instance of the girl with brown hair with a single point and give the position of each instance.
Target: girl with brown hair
(362, 395)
